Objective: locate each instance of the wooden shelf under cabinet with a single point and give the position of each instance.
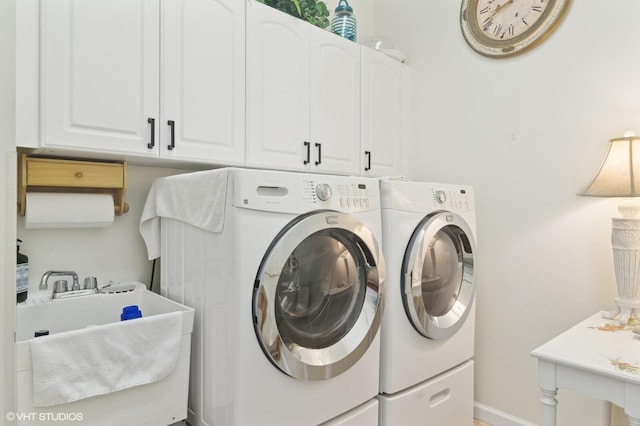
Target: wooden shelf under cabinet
(36, 174)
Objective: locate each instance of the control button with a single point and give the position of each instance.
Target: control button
(348, 202)
(356, 202)
(441, 197)
(365, 203)
(323, 191)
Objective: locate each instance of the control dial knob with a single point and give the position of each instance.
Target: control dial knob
(441, 197)
(323, 191)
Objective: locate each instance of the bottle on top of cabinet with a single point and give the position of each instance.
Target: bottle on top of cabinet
(344, 21)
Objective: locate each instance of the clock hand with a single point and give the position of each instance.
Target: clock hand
(500, 7)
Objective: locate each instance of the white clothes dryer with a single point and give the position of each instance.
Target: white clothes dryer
(428, 328)
(286, 275)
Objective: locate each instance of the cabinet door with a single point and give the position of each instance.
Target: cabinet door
(277, 89)
(99, 74)
(202, 76)
(385, 98)
(335, 103)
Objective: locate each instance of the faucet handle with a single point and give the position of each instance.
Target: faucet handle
(60, 286)
(91, 283)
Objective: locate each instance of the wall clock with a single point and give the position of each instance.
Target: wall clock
(500, 28)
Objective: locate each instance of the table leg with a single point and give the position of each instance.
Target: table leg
(549, 406)
(631, 405)
(547, 383)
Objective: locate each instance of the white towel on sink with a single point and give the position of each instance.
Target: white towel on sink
(196, 198)
(99, 360)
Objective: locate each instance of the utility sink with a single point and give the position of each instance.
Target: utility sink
(159, 403)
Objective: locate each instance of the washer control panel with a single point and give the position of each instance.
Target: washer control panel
(351, 196)
(453, 199)
(303, 192)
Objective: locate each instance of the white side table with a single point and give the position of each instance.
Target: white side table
(598, 358)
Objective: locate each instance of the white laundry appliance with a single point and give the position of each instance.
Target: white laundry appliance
(286, 275)
(428, 326)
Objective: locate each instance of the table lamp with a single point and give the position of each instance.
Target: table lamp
(619, 176)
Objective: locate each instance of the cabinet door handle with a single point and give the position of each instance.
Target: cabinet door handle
(368, 167)
(319, 146)
(152, 142)
(308, 160)
(172, 145)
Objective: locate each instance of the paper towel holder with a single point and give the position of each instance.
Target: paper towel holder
(44, 174)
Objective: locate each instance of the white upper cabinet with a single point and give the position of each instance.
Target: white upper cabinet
(144, 78)
(225, 82)
(385, 115)
(335, 102)
(277, 89)
(202, 81)
(303, 95)
(99, 74)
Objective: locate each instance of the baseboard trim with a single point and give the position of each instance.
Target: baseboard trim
(495, 417)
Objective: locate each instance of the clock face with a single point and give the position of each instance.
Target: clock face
(507, 27)
(502, 19)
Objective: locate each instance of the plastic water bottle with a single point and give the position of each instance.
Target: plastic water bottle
(344, 21)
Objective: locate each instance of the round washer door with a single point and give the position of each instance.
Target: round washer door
(438, 285)
(317, 300)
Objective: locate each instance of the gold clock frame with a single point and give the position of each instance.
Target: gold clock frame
(487, 46)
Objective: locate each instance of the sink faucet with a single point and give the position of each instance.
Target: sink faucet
(43, 281)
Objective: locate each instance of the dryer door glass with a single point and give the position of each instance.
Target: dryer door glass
(438, 275)
(317, 298)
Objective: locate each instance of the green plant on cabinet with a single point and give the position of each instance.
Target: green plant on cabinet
(313, 11)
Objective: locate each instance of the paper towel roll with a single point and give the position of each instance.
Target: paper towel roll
(65, 210)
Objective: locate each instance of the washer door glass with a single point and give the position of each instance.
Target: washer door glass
(317, 297)
(320, 291)
(438, 275)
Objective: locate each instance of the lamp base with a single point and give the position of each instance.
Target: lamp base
(625, 241)
(625, 311)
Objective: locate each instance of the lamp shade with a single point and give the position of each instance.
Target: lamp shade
(619, 175)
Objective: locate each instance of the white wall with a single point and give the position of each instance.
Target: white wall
(7, 207)
(528, 133)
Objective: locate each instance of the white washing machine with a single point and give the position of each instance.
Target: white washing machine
(428, 327)
(286, 275)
